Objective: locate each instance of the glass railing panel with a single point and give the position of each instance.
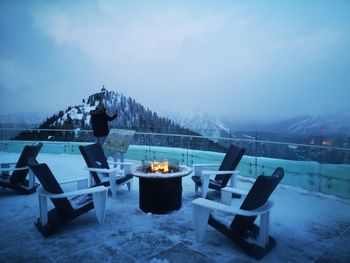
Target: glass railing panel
(14, 146)
(159, 150)
(55, 147)
(137, 153)
(321, 164)
(335, 171)
(301, 167)
(334, 179)
(248, 164)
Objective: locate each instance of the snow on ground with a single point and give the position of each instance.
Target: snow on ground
(308, 227)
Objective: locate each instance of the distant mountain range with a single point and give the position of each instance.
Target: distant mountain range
(132, 114)
(320, 125)
(306, 125)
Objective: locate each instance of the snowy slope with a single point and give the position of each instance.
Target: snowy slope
(300, 125)
(201, 122)
(322, 125)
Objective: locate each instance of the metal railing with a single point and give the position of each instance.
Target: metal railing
(316, 167)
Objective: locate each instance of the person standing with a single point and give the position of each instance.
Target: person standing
(99, 122)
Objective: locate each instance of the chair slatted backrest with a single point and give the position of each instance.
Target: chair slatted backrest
(50, 184)
(95, 158)
(29, 151)
(257, 196)
(231, 160)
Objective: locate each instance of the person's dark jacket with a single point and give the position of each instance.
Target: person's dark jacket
(99, 122)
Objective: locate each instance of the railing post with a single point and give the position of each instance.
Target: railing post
(320, 166)
(149, 144)
(188, 148)
(256, 154)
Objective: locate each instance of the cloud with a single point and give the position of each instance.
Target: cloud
(132, 38)
(221, 56)
(15, 77)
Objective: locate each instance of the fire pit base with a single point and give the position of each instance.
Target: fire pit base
(160, 195)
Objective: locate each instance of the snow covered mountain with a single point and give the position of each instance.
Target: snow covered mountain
(332, 124)
(321, 125)
(130, 114)
(211, 126)
(200, 122)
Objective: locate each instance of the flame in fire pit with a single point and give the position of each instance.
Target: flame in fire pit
(160, 167)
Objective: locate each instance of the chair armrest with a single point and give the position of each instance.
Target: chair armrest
(80, 183)
(102, 170)
(211, 205)
(234, 190)
(125, 168)
(226, 194)
(74, 181)
(120, 163)
(8, 169)
(211, 172)
(41, 191)
(206, 164)
(197, 168)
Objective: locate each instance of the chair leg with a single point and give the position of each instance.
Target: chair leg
(263, 238)
(196, 187)
(200, 220)
(129, 185)
(197, 172)
(226, 197)
(100, 200)
(43, 210)
(113, 185)
(31, 180)
(233, 179)
(205, 185)
(91, 180)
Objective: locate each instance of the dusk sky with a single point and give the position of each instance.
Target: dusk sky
(240, 59)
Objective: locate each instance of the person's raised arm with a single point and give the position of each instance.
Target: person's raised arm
(111, 118)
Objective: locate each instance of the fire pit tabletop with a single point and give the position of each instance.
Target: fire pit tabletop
(183, 171)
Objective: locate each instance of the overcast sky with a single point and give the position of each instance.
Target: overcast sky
(243, 59)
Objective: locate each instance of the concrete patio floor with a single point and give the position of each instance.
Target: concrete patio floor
(129, 235)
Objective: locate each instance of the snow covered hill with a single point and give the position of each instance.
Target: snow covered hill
(130, 114)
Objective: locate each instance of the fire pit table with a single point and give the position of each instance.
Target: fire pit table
(159, 192)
